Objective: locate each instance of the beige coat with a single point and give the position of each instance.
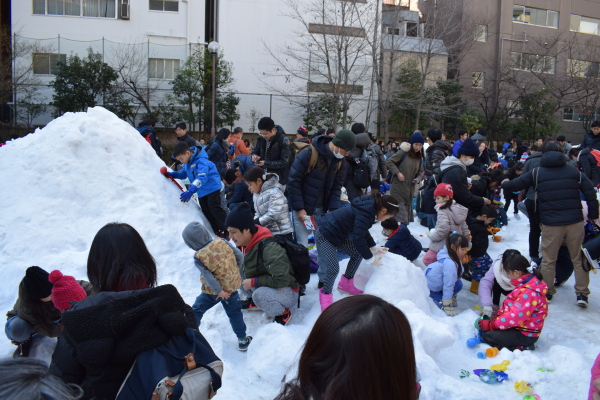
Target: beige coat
(411, 168)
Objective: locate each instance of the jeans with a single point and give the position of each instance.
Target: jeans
(18, 329)
(232, 306)
(431, 221)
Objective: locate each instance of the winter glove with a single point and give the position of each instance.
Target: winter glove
(448, 309)
(488, 310)
(375, 261)
(378, 250)
(163, 170)
(186, 196)
(486, 325)
(430, 233)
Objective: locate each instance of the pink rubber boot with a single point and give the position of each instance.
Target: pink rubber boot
(325, 299)
(347, 286)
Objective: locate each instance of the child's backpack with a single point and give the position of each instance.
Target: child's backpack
(231, 150)
(298, 256)
(185, 367)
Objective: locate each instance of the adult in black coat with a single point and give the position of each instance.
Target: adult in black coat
(592, 140)
(217, 150)
(272, 151)
(559, 187)
(184, 136)
(437, 151)
(587, 163)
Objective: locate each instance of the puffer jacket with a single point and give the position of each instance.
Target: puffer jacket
(525, 308)
(322, 186)
(48, 310)
(401, 242)
(105, 332)
(479, 236)
(275, 270)
(442, 275)
(589, 166)
(151, 137)
(240, 194)
(453, 218)
(217, 153)
(271, 207)
(533, 161)
(435, 154)
(558, 190)
(200, 172)
(591, 141)
(276, 154)
(352, 223)
(457, 177)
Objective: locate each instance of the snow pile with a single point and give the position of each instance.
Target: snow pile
(61, 184)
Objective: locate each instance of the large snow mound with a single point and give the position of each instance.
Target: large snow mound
(61, 184)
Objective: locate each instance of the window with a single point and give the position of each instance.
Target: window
(579, 114)
(583, 69)
(478, 79)
(481, 33)
(46, 63)
(327, 88)
(412, 29)
(160, 68)
(164, 5)
(533, 62)
(583, 24)
(535, 16)
(336, 30)
(76, 8)
(392, 31)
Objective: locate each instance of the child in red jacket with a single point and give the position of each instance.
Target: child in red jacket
(519, 322)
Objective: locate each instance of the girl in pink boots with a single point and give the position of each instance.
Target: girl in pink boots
(347, 230)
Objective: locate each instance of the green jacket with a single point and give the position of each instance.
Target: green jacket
(275, 270)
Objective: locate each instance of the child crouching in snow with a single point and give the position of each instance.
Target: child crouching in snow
(480, 259)
(400, 241)
(451, 217)
(494, 283)
(220, 265)
(520, 321)
(443, 276)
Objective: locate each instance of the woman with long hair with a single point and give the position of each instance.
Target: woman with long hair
(217, 150)
(406, 169)
(360, 348)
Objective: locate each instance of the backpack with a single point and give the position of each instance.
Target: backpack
(298, 256)
(389, 175)
(425, 199)
(185, 366)
(231, 150)
(361, 176)
(372, 161)
(314, 157)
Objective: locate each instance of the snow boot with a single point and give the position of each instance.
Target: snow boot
(23, 348)
(517, 216)
(347, 286)
(474, 287)
(325, 299)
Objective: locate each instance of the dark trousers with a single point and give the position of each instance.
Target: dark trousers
(509, 338)
(515, 199)
(535, 229)
(352, 191)
(213, 210)
(496, 292)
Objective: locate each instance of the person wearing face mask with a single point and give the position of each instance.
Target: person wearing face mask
(457, 177)
(316, 179)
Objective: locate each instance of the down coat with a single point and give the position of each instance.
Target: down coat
(457, 177)
(217, 153)
(558, 190)
(201, 172)
(401, 242)
(352, 223)
(271, 207)
(435, 154)
(453, 218)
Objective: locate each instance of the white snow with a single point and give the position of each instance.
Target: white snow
(61, 184)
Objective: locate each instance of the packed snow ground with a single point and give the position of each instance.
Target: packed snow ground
(61, 184)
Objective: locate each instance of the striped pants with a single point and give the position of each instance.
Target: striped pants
(328, 253)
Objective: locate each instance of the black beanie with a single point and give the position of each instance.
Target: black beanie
(240, 217)
(469, 148)
(36, 283)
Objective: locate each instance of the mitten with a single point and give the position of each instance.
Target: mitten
(375, 261)
(488, 310)
(448, 309)
(430, 233)
(165, 172)
(486, 325)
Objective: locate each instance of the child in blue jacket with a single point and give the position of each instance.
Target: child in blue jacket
(443, 276)
(205, 181)
(400, 241)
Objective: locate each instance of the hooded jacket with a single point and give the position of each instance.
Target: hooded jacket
(442, 275)
(351, 223)
(272, 207)
(496, 273)
(240, 194)
(401, 242)
(525, 308)
(453, 218)
(321, 187)
(151, 137)
(196, 236)
(217, 153)
(558, 188)
(276, 154)
(434, 155)
(200, 172)
(457, 177)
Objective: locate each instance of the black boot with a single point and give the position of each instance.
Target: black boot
(23, 348)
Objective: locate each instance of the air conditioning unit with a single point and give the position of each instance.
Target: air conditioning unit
(124, 9)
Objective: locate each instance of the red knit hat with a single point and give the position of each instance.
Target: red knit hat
(65, 290)
(443, 189)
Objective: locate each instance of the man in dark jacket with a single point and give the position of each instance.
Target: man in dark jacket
(315, 189)
(559, 187)
(587, 162)
(535, 230)
(183, 136)
(437, 151)
(592, 140)
(272, 151)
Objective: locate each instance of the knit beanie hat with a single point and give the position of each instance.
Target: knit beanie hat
(302, 131)
(345, 139)
(469, 148)
(240, 217)
(65, 290)
(36, 283)
(416, 137)
(443, 189)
